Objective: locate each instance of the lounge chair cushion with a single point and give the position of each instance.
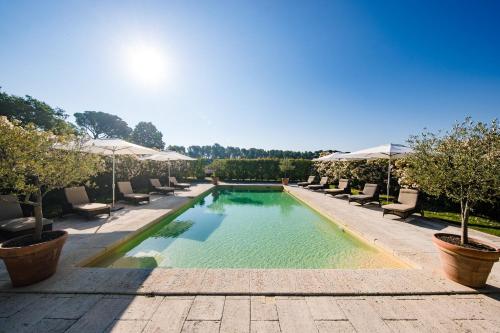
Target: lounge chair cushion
(20, 224)
(9, 207)
(408, 197)
(136, 196)
(173, 180)
(398, 207)
(343, 184)
(76, 195)
(89, 207)
(334, 190)
(361, 196)
(309, 181)
(155, 182)
(164, 188)
(315, 187)
(125, 188)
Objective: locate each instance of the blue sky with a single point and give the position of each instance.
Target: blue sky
(301, 75)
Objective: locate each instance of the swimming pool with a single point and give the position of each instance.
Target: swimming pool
(246, 228)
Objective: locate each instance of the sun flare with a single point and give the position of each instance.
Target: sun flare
(147, 64)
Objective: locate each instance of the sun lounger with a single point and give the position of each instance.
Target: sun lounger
(343, 188)
(155, 183)
(406, 205)
(127, 193)
(309, 181)
(12, 221)
(174, 182)
(322, 184)
(370, 193)
(79, 201)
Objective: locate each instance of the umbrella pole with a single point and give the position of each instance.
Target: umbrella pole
(113, 203)
(168, 173)
(388, 177)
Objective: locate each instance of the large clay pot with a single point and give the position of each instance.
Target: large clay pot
(466, 266)
(285, 181)
(215, 180)
(28, 264)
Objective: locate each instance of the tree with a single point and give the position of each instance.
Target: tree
(463, 165)
(146, 134)
(179, 149)
(29, 110)
(102, 125)
(30, 165)
(286, 165)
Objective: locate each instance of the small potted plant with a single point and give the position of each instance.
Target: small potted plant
(286, 165)
(463, 166)
(215, 179)
(31, 167)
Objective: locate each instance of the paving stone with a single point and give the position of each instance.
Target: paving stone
(29, 315)
(201, 326)
(478, 326)
(263, 308)
(406, 326)
(226, 281)
(74, 307)
(170, 316)
(236, 316)
(394, 309)
(334, 326)
(207, 308)
(325, 308)
(101, 315)
(127, 326)
(50, 325)
(15, 303)
(141, 307)
(294, 316)
(362, 316)
(260, 326)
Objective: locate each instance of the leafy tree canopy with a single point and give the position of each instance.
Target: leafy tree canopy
(146, 134)
(102, 125)
(463, 165)
(28, 110)
(31, 166)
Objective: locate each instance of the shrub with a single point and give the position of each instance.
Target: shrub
(259, 169)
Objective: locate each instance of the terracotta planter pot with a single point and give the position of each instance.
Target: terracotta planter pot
(32, 263)
(466, 266)
(215, 180)
(285, 181)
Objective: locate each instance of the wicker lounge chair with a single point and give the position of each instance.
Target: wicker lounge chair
(156, 185)
(125, 189)
(12, 221)
(309, 181)
(406, 205)
(322, 184)
(79, 201)
(343, 188)
(370, 193)
(174, 182)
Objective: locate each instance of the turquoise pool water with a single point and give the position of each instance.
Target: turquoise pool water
(239, 228)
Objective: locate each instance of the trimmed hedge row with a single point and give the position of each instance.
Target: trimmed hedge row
(260, 169)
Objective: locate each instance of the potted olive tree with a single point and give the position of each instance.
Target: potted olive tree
(463, 165)
(286, 165)
(31, 167)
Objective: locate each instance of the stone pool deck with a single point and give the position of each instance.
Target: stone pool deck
(296, 300)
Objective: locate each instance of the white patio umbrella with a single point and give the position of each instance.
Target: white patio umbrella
(388, 151)
(112, 147)
(337, 156)
(168, 156)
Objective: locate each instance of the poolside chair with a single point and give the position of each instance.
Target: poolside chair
(174, 182)
(406, 205)
(156, 185)
(370, 193)
(309, 181)
(12, 220)
(79, 201)
(322, 184)
(343, 188)
(125, 189)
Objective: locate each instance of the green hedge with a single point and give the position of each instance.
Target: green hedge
(259, 169)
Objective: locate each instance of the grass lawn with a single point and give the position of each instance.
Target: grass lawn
(484, 224)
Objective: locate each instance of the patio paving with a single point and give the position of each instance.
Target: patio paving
(110, 313)
(90, 299)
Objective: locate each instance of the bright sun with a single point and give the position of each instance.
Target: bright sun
(147, 64)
